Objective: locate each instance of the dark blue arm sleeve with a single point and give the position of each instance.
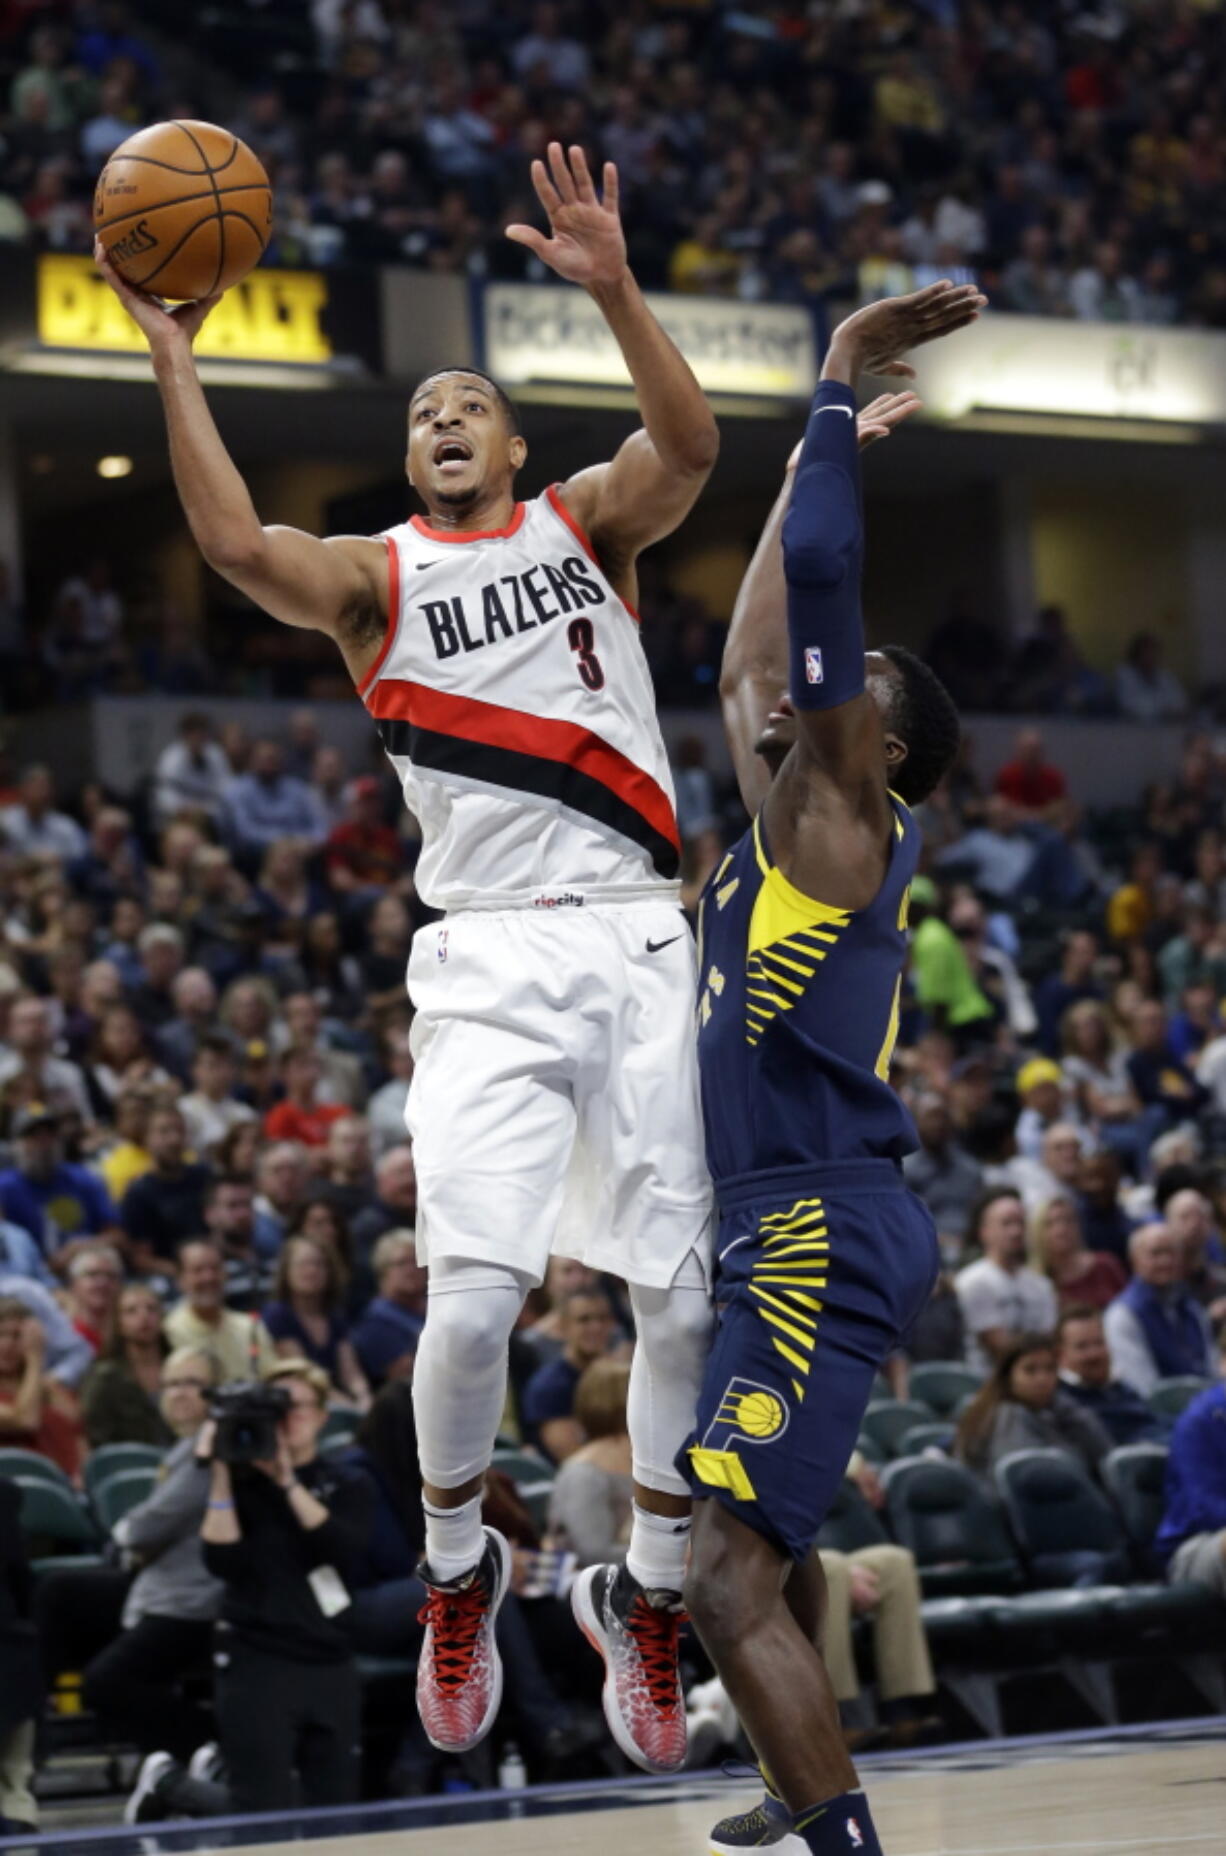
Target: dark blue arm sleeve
(823, 553)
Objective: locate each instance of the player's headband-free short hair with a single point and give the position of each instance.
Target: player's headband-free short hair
(510, 412)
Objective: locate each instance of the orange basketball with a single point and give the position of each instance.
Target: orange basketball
(183, 209)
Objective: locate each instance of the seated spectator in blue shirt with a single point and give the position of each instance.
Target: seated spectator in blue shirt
(1105, 1224)
(1160, 1078)
(549, 1398)
(267, 803)
(46, 1195)
(386, 1334)
(1192, 1537)
(306, 1319)
(1073, 981)
(1157, 1329)
(166, 1204)
(1085, 1373)
(20, 1255)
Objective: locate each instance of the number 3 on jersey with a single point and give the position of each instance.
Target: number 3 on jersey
(581, 637)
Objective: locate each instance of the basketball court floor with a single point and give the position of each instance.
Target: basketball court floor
(1151, 1791)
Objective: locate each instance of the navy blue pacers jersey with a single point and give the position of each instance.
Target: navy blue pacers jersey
(798, 1014)
(824, 1258)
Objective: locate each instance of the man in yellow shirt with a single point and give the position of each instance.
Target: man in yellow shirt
(241, 1344)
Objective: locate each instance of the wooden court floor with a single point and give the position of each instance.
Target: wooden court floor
(1144, 1796)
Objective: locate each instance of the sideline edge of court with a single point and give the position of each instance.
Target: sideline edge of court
(184, 1834)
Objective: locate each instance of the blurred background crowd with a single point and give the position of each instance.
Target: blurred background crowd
(205, 1176)
(1070, 155)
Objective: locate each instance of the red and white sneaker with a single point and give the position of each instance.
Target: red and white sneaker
(459, 1674)
(636, 1633)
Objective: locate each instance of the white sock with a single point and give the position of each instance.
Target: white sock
(455, 1540)
(658, 1546)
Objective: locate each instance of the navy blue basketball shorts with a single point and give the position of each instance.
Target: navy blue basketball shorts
(819, 1273)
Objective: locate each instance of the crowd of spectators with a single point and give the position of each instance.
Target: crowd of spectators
(204, 1175)
(1071, 157)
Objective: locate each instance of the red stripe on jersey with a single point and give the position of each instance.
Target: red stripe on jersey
(554, 496)
(477, 534)
(393, 614)
(492, 726)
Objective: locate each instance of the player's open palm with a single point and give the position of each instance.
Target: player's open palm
(882, 333)
(160, 323)
(586, 243)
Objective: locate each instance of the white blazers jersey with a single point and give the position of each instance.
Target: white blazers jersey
(515, 703)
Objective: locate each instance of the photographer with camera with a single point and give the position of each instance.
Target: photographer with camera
(282, 1531)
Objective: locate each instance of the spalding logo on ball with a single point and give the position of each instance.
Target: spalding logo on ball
(183, 210)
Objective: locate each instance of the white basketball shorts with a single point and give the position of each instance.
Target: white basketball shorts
(554, 1105)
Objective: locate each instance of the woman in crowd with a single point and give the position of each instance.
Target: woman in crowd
(1096, 1065)
(1024, 1407)
(1059, 1251)
(306, 1319)
(120, 1393)
(591, 1506)
(330, 974)
(36, 1412)
(138, 1639)
(238, 1152)
(119, 1059)
(317, 1217)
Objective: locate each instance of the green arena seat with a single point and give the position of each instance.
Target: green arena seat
(1067, 1529)
(110, 1458)
(888, 1420)
(943, 1384)
(953, 1526)
(1170, 1398)
(120, 1491)
(852, 1522)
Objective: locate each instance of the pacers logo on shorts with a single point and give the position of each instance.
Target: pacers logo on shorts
(748, 1413)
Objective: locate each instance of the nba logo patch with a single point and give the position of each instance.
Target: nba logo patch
(442, 947)
(855, 1833)
(814, 672)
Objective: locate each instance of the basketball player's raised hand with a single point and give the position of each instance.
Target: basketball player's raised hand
(586, 245)
(877, 337)
(162, 324)
(874, 421)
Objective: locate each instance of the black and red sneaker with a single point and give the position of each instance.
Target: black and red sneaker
(459, 1674)
(636, 1633)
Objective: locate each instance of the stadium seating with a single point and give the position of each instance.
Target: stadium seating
(954, 1528)
(533, 1479)
(117, 1493)
(1135, 1477)
(52, 1520)
(923, 1437)
(943, 1385)
(852, 1522)
(29, 1466)
(1067, 1529)
(1171, 1397)
(111, 1458)
(888, 1420)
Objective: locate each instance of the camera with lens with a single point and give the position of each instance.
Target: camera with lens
(248, 1415)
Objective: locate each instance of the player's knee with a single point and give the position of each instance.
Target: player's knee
(722, 1595)
(462, 1337)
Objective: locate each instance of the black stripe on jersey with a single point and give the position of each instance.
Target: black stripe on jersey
(525, 773)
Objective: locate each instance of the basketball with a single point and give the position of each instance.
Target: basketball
(183, 209)
(759, 1414)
